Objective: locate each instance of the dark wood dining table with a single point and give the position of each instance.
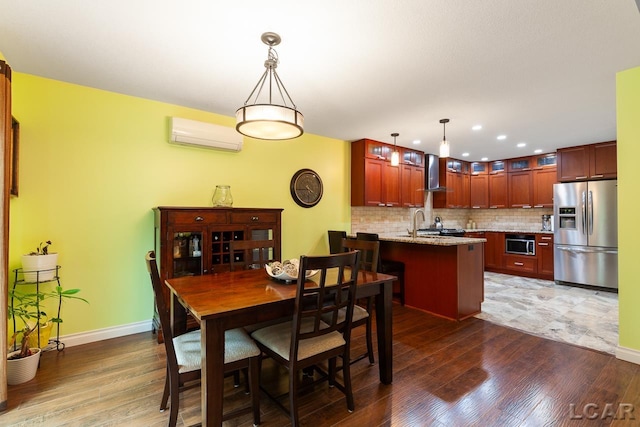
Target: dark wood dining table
(228, 300)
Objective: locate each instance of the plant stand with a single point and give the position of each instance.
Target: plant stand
(19, 272)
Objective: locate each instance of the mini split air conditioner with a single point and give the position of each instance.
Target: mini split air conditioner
(201, 134)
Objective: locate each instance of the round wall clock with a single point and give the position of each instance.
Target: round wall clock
(306, 188)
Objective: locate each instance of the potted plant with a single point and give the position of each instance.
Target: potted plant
(40, 265)
(28, 308)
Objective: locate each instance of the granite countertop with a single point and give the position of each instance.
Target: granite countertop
(508, 230)
(431, 240)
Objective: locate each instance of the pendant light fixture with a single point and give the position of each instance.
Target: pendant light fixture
(265, 118)
(444, 145)
(395, 155)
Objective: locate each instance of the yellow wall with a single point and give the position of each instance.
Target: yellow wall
(628, 117)
(93, 164)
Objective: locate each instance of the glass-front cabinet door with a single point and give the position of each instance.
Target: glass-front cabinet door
(187, 253)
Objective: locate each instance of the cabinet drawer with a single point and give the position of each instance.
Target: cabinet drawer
(197, 217)
(521, 263)
(253, 217)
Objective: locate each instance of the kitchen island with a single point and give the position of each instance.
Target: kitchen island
(443, 275)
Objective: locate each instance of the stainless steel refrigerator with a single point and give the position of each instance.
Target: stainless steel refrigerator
(585, 249)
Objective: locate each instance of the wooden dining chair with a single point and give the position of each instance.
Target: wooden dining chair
(335, 240)
(362, 316)
(250, 254)
(184, 358)
(388, 266)
(306, 341)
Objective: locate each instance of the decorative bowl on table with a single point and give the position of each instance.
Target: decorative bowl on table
(286, 270)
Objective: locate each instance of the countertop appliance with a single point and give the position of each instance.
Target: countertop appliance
(585, 249)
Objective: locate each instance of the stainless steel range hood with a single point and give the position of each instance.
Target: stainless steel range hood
(432, 175)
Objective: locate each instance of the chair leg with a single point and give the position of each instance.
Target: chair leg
(254, 379)
(236, 378)
(165, 393)
(401, 280)
(332, 372)
(369, 341)
(174, 383)
(346, 373)
(293, 397)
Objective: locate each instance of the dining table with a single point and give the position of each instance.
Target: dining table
(234, 299)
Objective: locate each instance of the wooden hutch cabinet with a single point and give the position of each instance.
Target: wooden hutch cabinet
(191, 241)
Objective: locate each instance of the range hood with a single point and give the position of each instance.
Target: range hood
(432, 175)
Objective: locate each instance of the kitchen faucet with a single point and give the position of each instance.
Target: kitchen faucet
(414, 233)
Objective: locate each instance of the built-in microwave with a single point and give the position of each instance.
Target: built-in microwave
(521, 244)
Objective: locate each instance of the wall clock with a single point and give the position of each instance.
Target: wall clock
(306, 188)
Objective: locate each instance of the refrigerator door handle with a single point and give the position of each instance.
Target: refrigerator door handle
(582, 249)
(590, 216)
(584, 213)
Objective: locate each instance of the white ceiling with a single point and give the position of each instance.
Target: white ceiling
(540, 72)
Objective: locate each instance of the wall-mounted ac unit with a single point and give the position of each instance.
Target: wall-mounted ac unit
(201, 134)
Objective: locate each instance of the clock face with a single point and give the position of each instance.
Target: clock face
(306, 188)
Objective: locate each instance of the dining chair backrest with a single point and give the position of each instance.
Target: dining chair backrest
(162, 306)
(370, 251)
(318, 307)
(335, 240)
(250, 254)
(368, 237)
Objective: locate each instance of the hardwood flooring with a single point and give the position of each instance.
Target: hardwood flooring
(470, 373)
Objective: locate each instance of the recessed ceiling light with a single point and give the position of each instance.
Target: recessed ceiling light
(538, 151)
(465, 154)
(416, 141)
(522, 144)
(501, 137)
(476, 127)
(484, 159)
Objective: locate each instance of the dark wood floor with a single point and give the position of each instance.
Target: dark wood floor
(445, 374)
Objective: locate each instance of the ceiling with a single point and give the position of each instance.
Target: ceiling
(540, 72)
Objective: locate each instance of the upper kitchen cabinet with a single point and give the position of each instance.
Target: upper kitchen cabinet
(479, 185)
(454, 176)
(544, 175)
(374, 182)
(530, 181)
(584, 162)
(498, 188)
(519, 182)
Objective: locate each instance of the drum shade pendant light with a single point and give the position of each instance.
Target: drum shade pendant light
(395, 155)
(444, 145)
(265, 118)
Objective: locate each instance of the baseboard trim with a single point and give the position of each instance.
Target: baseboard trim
(628, 354)
(106, 333)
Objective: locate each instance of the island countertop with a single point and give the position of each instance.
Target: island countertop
(431, 240)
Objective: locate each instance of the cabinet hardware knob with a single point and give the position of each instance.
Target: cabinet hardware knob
(255, 218)
(543, 244)
(581, 177)
(199, 218)
(597, 176)
(518, 263)
(538, 206)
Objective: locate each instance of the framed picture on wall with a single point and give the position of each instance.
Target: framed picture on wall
(15, 143)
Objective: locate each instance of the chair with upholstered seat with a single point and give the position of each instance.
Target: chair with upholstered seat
(363, 315)
(250, 254)
(307, 341)
(388, 266)
(184, 358)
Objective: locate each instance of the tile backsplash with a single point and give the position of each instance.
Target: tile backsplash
(393, 220)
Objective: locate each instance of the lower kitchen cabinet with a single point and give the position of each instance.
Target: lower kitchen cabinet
(544, 253)
(521, 263)
(494, 250)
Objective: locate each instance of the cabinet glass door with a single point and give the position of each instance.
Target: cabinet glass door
(187, 254)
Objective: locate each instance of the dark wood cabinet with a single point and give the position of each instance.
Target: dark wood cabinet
(520, 189)
(494, 250)
(412, 186)
(587, 162)
(544, 254)
(454, 176)
(543, 180)
(498, 185)
(479, 191)
(375, 182)
(192, 241)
